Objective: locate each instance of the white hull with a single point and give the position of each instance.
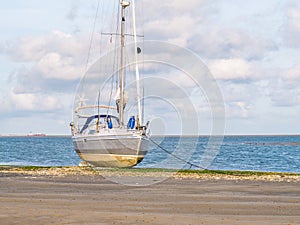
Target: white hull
(105, 134)
(111, 150)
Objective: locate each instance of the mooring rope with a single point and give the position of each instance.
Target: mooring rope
(175, 156)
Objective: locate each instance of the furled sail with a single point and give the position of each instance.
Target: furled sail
(118, 97)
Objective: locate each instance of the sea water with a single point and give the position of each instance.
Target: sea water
(257, 153)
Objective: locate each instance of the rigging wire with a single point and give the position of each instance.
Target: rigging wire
(91, 40)
(84, 78)
(175, 156)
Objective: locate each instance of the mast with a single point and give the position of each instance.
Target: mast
(124, 4)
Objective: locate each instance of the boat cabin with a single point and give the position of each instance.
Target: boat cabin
(97, 122)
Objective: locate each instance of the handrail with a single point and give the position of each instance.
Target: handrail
(94, 106)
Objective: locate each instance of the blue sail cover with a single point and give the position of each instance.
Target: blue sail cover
(131, 123)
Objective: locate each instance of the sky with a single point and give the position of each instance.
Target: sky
(251, 47)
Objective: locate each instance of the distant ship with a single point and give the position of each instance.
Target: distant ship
(36, 135)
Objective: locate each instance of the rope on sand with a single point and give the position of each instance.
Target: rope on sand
(175, 156)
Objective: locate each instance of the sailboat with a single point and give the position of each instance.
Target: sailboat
(108, 131)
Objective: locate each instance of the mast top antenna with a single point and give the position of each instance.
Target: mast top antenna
(125, 4)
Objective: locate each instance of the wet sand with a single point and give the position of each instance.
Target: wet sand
(93, 199)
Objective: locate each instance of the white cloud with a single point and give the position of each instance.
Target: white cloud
(33, 48)
(240, 98)
(54, 66)
(50, 63)
(239, 110)
(176, 30)
(24, 103)
(27, 49)
(284, 90)
(174, 21)
(214, 41)
(172, 8)
(33, 102)
(193, 25)
(283, 97)
(183, 7)
(226, 69)
(292, 76)
(291, 28)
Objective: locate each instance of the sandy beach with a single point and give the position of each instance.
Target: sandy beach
(63, 197)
